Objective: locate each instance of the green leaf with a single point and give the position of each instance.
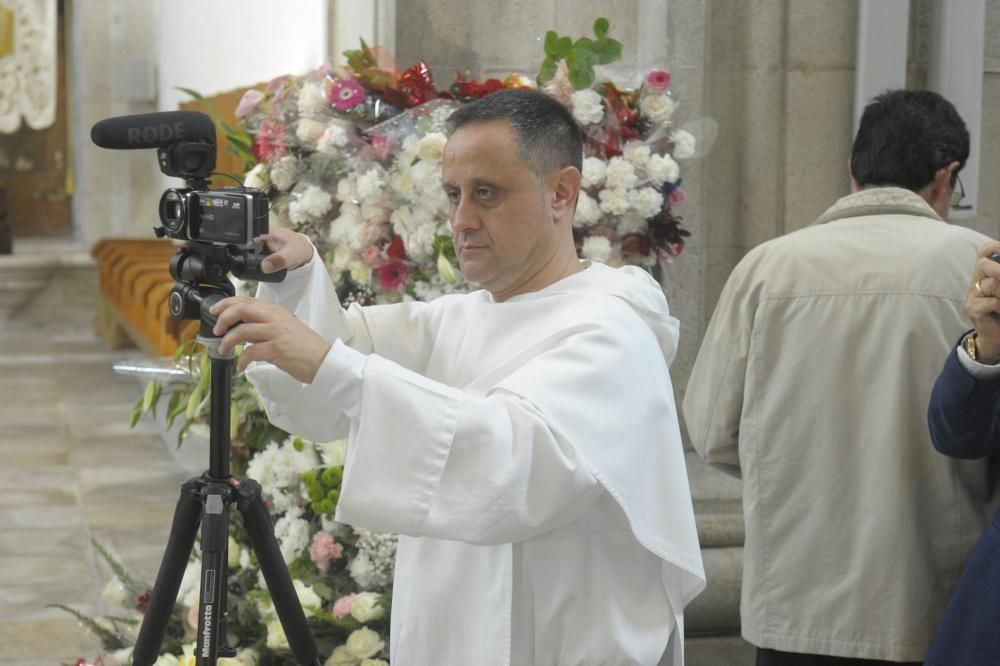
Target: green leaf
(601, 26)
(563, 47)
(136, 413)
(551, 44)
(547, 70)
(183, 431)
(607, 51)
(581, 76)
(131, 583)
(109, 640)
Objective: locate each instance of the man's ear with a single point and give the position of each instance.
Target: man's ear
(941, 187)
(565, 185)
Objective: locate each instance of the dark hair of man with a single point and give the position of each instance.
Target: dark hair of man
(905, 137)
(548, 137)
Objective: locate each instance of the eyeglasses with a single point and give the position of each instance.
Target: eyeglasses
(958, 195)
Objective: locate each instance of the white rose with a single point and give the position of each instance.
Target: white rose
(276, 639)
(342, 657)
(257, 177)
(431, 147)
(614, 201)
(374, 662)
(684, 144)
(343, 256)
(367, 607)
(662, 169)
(166, 660)
(283, 173)
(620, 174)
(312, 100)
(646, 201)
(115, 592)
(588, 107)
(309, 131)
(361, 570)
(657, 109)
(364, 643)
(401, 181)
(333, 137)
(636, 152)
(233, 552)
(593, 173)
(307, 597)
(587, 211)
(597, 248)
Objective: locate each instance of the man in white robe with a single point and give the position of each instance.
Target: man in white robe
(522, 439)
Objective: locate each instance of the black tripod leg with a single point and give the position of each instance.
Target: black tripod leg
(279, 583)
(183, 530)
(214, 576)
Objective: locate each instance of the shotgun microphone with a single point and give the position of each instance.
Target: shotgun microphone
(153, 130)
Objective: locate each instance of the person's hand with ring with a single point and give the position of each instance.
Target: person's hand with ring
(982, 302)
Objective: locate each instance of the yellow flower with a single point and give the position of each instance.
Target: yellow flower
(446, 270)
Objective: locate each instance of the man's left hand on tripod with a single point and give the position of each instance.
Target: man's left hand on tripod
(276, 336)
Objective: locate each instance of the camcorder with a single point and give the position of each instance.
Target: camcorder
(218, 225)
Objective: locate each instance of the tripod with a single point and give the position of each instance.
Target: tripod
(200, 273)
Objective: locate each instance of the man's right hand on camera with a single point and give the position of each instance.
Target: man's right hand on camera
(285, 249)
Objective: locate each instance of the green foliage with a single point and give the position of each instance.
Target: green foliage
(580, 56)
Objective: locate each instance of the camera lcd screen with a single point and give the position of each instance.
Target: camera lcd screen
(224, 218)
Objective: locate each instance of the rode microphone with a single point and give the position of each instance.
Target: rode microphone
(184, 140)
(153, 130)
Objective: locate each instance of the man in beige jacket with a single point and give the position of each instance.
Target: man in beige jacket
(812, 384)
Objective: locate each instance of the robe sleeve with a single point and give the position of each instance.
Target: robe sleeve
(713, 403)
(308, 293)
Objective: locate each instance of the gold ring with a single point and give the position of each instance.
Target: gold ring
(979, 290)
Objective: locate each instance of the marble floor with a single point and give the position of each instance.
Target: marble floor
(71, 471)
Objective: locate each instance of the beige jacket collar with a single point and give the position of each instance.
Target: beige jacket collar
(878, 201)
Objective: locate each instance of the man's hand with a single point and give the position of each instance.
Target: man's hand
(982, 302)
(277, 335)
(284, 249)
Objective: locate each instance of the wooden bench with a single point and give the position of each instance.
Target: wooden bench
(134, 281)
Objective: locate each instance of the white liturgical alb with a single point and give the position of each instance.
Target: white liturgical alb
(528, 454)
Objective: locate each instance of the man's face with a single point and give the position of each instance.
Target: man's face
(501, 215)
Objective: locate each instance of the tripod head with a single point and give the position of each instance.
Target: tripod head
(201, 271)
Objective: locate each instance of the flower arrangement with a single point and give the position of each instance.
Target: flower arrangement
(351, 156)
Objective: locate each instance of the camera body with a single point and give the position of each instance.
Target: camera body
(224, 216)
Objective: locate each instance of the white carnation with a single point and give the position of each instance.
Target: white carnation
(419, 242)
(333, 138)
(588, 107)
(343, 257)
(308, 131)
(369, 185)
(587, 211)
(346, 190)
(257, 177)
(657, 108)
(646, 201)
(614, 201)
(621, 174)
(293, 536)
(307, 597)
(400, 180)
(632, 223)
(662, 169)
(283, 173)
(594, 170)
(316, 202)
(312, 100)
(597, 248)
(431, 147)
(333, 454)
(684, 144)
(636, 152)
(426, 176)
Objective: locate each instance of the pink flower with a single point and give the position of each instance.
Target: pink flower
(346, 94)
(371, 255)
(393, 275)
(381, 145)
(677, 197)
(248, 103)
(323, 550)
(658, 80)
(343, 605)
(270, 142)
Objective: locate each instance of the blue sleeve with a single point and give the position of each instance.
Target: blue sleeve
(964, 413)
